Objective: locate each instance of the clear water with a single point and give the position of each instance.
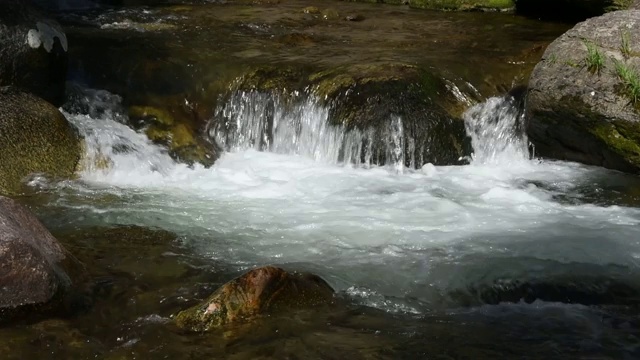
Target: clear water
(417, 242)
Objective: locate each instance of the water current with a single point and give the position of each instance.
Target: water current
(549, 237)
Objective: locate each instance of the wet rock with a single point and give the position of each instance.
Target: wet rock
(258, 292)
(35, 270)
(179, 135)
(34, 138)
(584, 96)
(405, 114)
(354, 17)
(33, 51)
(330, 14)
(311, 10)
(426, 112)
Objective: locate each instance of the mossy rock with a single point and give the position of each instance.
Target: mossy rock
(173, 129)
(261, 291)
(34, 138)
(579, 113)
(368, 97)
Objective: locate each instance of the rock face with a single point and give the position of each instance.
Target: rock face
(34, 138)
(31, 262)
(583, 102)
(33, 51)
(260, 291)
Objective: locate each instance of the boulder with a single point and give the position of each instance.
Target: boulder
(409, 114)
(583, 102)
(176, 128)
(34, 138)
(391, 113)
(33, 51)
(35, 270)
(258, 292)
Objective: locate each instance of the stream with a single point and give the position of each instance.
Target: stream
(510, 256)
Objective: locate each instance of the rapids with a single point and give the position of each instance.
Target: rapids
(425, 238)
(542, 254)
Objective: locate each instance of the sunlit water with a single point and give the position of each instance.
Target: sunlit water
(410, 242)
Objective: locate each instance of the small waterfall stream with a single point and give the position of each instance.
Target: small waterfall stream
(293, 190)
(266, 122)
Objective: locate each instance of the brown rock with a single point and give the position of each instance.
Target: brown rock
(263, 290)
(31, 262)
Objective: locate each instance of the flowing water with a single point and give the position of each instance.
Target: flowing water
(507, 257)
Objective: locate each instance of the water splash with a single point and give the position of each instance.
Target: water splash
(496, 131)
(301, 126)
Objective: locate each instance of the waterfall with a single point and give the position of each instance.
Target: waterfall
(497, 132)
(301, 126)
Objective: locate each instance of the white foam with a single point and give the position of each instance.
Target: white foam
(374, 228)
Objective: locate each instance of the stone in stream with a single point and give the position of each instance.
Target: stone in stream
(33, 51)
(36, 272)
(258, 292)
(407, 115)
(34, 138)
(173, 128)
(584, 96)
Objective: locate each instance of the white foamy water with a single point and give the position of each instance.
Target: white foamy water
(300, 126)
(407, 238)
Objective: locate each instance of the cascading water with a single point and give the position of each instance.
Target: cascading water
(496, 132)
(439, 237)
(301, 126)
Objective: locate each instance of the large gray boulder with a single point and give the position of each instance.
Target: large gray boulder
(33, 265)
(33, 51)
(583, 102)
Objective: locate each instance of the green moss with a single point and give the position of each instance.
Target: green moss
(34, 138)
(177, 134)
(621, 137)
(154, 114)
(272, 78)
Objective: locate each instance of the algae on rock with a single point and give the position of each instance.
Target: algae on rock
(34, 138)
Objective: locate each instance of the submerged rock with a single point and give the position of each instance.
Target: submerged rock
(258, 292)
(584, 96)
(34, 138)
(33, 51)
(34, 267)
